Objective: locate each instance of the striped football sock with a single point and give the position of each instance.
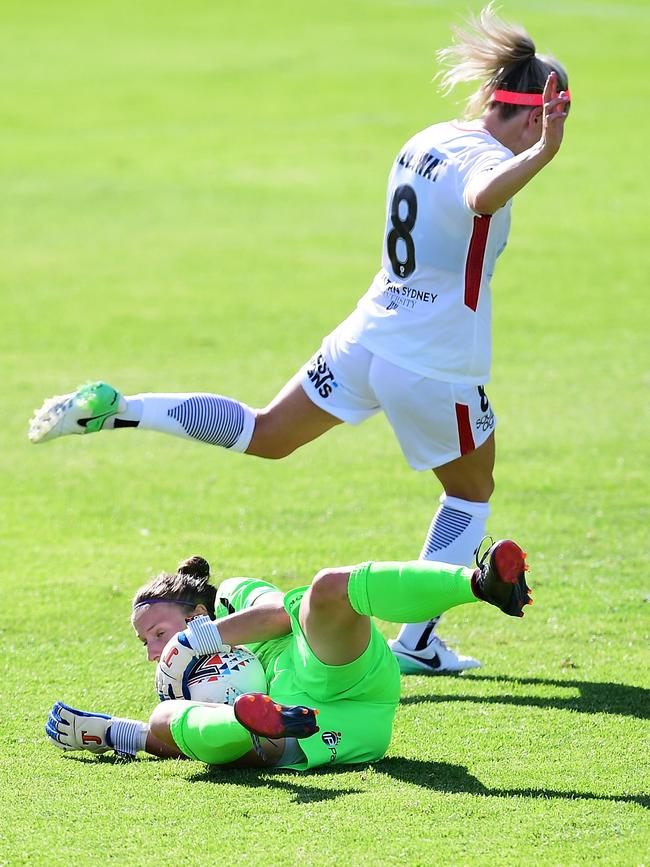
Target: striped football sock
(127, 736)
(454, 535)
(210, 418)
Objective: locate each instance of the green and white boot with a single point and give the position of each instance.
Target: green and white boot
(83, 411)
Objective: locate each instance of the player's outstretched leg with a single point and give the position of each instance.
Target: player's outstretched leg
(287, 423)
(85, 410)
(209, 418)
(261, 715)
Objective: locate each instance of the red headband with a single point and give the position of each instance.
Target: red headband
(512, 97)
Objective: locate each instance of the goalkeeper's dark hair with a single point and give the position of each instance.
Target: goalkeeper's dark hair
(189, 585)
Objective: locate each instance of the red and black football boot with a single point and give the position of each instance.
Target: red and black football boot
(260, 714)
(500, 578)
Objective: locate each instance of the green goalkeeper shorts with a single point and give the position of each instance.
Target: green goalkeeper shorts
(356, 702)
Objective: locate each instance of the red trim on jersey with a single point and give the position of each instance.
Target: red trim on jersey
(474, 261)
(465, 437)
(513, 97)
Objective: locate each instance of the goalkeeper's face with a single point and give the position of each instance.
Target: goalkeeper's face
(156, 624)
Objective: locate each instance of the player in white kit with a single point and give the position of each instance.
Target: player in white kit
(418, 345)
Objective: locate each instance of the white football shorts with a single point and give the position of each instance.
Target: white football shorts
(434, 422)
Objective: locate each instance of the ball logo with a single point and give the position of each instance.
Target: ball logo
(215, 667)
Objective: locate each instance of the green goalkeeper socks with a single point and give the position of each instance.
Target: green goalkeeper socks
(408, 592)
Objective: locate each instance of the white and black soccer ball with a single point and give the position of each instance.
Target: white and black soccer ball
(220, 677)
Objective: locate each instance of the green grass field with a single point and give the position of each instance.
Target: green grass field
(192, 196)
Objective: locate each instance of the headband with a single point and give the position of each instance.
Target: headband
(513, 97)
(170, 601)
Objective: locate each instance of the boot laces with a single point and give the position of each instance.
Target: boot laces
(481, 558)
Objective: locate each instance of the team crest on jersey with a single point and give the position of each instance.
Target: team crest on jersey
(210, 668)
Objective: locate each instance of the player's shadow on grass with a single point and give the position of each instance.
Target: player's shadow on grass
(455, 779)
(298, 784)
(614, 698)
(434, 776)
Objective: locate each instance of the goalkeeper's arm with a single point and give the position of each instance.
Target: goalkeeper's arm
(71, 729)
(264, 620)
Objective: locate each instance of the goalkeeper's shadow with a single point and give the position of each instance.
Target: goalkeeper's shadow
(589, 697)
(456, 779)
(297, 783)
(438, 777)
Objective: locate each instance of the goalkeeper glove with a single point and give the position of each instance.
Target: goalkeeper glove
(200, 638)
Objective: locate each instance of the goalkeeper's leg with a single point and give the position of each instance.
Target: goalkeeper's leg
(219, 734)
(334, 612)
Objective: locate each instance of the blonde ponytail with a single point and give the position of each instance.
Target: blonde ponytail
(500, 55)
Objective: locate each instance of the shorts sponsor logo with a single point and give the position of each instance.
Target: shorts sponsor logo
(331, 741)
(485, 422)
(320, 375)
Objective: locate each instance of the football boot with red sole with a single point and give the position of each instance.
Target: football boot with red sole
(260, 714)
(500, 578)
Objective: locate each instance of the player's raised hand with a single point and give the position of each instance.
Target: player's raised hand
(555, 111)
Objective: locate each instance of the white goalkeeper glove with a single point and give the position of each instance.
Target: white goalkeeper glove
(200, 638)
(70, 729)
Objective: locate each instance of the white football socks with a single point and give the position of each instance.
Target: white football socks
(210, 418)
(127, 736)
(454, 535)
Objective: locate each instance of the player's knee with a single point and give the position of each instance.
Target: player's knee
(329, 589)
(277, 450)
(478, 490)
(270, 439)
(160, 719)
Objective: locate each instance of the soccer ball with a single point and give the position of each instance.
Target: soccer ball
(220, 677)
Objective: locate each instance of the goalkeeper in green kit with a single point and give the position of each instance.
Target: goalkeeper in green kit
(333, 683)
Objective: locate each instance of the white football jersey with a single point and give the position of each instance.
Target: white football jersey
(428, 309)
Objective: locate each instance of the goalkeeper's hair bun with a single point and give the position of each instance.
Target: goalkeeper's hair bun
(196, 566)
(189, 586)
